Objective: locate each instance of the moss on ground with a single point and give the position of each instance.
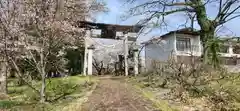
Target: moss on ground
(61, 92)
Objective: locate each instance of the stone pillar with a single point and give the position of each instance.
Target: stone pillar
(90, 56)
(126, 53)
(85, 62)
(143, 66)
(135, 56)
(230, 49)
(88, 34)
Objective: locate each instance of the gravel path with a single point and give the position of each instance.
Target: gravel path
(115, 95)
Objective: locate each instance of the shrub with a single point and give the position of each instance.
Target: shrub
(218, 87)
(59, 88)
(31, 96)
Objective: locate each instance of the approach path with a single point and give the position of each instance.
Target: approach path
(114, 94)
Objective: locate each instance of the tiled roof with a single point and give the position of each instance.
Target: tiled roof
(180, 31)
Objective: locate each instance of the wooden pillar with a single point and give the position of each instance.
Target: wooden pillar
(126, 53)
(90, 56)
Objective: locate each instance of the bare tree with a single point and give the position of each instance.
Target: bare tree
(155, 11)
(40, 27)
(98, 66)
(105, 56)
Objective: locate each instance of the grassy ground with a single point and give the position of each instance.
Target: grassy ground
(152, 94)
(217, 95)
(61, 92)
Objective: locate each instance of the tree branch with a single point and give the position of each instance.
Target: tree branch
(224, 9)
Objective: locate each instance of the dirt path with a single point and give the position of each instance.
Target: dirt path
(115, 95)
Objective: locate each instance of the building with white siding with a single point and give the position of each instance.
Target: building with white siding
(181, 45)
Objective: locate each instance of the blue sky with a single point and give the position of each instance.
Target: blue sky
(117, 9)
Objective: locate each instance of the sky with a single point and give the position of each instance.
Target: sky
(117, 9)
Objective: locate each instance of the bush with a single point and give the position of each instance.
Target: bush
(59, 92)
(219, 88)
(60, 88)
(31, 96)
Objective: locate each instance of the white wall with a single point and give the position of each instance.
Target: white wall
(164, 50)
(160, 51)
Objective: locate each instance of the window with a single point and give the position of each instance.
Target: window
(183, 44)
(96, 33)
(224, 49)
(236, 49)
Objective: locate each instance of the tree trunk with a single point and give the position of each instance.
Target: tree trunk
(43, 89)
(43, 75)
(4, 68)
(3, 78)
(205, 37)
(207, 27)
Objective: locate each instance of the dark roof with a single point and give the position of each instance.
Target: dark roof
(188, 31)
(230, 40)
(156, 40)
(122, 28)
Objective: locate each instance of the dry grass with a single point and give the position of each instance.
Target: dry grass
(213, 90)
